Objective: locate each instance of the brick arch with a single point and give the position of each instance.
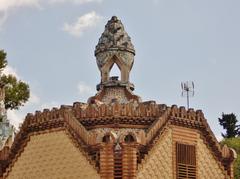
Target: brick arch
(122, 137)
(112, 134)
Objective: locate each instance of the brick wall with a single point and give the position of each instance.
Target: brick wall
(52, 155)
(158, 162)
(208, 166)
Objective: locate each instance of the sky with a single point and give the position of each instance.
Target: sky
(50, 45)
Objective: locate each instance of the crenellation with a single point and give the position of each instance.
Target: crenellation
(29, 115)
(182, 112)
(76, 105)
(29, 118)
(174, 110)
(46, 110)
(116, 109)
(191, 114)
(65, 107)
(54, 109)
(200, 115)
(37, 113)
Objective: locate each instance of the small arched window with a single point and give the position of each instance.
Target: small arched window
(106, 138)
(129, 138)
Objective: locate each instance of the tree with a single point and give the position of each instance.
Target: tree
(229, 122)
(17, 92)
(235, 144)
(3, 61)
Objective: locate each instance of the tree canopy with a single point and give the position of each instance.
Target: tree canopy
(17, 92)
(3, 61)
(229, 123)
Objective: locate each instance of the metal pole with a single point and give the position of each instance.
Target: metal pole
(187, 99)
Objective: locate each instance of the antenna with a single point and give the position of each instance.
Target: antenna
(187, 90)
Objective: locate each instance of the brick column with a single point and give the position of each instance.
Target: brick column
(129, 160)
(106, 161)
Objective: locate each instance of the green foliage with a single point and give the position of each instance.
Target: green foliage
(235, 144)
(229, 122)
(16, 91)
(3, 61)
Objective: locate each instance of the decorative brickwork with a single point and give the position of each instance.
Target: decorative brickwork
(182, 135)
(129, 161)
(208, 166)
(51, 155)
(158, 162)
(117, 94)
(107, 161)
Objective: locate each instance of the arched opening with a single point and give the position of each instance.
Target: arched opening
(115, 72)
(129, 138)
(107, 138)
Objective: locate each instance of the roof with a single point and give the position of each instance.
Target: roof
(80, 119)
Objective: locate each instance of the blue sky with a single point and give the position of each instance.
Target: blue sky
(50, 45)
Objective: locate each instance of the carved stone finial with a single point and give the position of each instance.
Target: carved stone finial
(114, 37)
(115, 47)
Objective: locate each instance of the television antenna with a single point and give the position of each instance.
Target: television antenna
(187, 90)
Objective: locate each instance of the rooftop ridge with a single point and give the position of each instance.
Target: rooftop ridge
(131, 109)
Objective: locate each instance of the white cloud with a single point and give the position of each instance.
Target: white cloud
(33, 99)
(8, 5)
(85, 91)
(74, 1)
(10, 70)
(83, 23)
(15, 117)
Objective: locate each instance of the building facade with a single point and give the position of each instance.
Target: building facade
(115, 134)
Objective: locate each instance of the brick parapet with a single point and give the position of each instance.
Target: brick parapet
(116, 109)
